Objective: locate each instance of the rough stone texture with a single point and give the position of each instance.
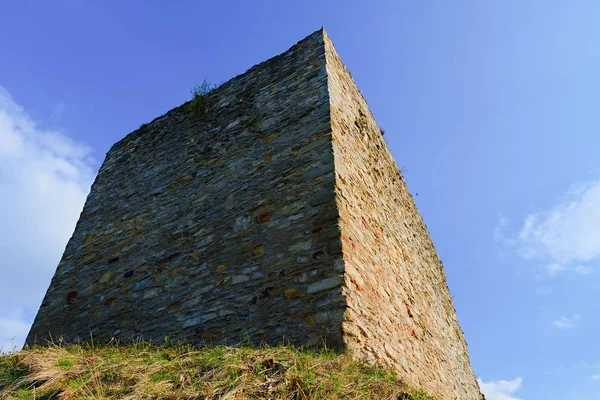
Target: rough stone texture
(213, 229)
(399, 307)
(270, 211)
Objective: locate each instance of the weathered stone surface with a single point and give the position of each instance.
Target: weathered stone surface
(395, 283)
(274, 213)
(327, 283)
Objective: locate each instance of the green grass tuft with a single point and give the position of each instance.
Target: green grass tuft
(200, 102)
(418, 394)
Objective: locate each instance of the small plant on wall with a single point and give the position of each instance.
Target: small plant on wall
(200, 102)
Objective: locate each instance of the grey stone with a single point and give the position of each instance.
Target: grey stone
(225, 219)
(325, 284)
(239, 279)
(300, 246)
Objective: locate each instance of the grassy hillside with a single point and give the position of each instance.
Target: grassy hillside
(144, 371)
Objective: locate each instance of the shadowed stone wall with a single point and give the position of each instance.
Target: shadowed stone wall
(220, 228)
(271, 211)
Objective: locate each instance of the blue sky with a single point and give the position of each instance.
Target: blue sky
(490, 109)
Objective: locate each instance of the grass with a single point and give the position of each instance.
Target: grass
(145, 371)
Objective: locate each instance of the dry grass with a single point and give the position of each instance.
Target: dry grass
(144, 371)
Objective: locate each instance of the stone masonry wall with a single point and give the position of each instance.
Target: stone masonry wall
(270, 211)
(399, 308)
(218, 228)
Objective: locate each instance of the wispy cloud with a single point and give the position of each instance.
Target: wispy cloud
(44, 179)
(583, 270)
(565, 238)
(596, 377)
(566, 323)
(567, 232)
(500, 390)
(500, 232)
(554, 269)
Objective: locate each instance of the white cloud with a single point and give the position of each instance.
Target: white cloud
(499, 230)
(500, 390)
(44, 179)
(565, 238)
(596, 377)
(566, 323)
(555, 269)
(567, 232)
(583, 270)
(500, 234)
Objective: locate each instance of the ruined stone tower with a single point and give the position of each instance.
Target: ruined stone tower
(274, 212)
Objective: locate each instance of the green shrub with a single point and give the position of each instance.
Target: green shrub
(200, 102)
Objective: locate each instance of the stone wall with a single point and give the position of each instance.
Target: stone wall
(270, 211)
(399, 308)
(219, 227)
